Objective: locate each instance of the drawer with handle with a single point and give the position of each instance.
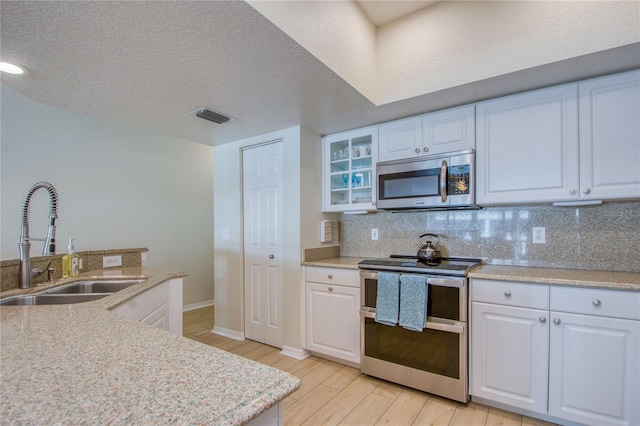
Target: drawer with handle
(593, 301)
(508, 293)
(338, 276)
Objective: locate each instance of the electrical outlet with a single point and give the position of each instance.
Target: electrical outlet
(538, 235)
(111, 261)
(374, 233)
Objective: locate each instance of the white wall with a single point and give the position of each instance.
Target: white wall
(459, 42)
(118, 186)
(451, 43)
(302, 215)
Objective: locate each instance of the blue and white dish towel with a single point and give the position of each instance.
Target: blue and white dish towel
(387, 299)
(413, 302)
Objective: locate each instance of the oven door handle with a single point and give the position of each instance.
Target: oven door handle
(366, 312)
(449, 328)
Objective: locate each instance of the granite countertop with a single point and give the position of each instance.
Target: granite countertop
(81, 363)
(565, 277)
(336, 262)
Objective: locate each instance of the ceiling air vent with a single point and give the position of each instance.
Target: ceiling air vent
(210, 115)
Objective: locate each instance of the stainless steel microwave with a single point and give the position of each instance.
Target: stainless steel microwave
(445, 181)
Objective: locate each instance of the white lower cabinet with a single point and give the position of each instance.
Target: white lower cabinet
(510, 355)
(594, 362)
(332, 318)
(576, 360)
(160, 306)
(510, 343)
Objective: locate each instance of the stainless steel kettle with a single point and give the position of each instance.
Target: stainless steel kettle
(428, 252)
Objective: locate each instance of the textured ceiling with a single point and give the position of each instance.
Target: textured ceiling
(149, 64)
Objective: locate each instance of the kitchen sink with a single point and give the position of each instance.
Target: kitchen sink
(84, 287)
(77, 292)
(50, 299)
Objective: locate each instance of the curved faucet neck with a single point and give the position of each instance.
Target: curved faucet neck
(26, 273)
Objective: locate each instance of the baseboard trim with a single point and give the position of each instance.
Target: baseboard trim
(193, 306)
(235, 335)
(295, 353)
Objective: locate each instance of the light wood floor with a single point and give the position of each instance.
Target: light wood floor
(331, 393)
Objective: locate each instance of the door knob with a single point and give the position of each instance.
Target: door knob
(426, 149)
(270, 256)
(587, 191)
(542, 320)
(556, 321)
(417, 150)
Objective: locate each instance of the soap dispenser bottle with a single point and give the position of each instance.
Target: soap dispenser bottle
(70, 262)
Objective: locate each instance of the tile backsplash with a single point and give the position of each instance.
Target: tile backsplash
(605, 237)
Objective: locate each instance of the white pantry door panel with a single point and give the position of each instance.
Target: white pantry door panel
(262, 189)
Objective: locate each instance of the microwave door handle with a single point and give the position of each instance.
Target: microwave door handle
(443, 181)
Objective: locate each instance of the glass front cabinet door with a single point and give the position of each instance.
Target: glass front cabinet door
(349, 170)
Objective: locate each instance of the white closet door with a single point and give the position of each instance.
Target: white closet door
(262, 194)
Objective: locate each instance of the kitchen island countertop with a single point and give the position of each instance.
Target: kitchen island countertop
(81, 363)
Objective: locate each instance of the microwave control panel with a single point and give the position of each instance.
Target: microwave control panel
(458, 179)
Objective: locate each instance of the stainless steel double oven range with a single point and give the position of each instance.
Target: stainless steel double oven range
(434, 360)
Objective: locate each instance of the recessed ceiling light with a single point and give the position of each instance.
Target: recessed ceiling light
(13, 68)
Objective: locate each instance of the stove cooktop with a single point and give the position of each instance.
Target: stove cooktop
(457, 266)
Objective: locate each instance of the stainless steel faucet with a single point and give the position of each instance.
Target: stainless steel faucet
(26, 273)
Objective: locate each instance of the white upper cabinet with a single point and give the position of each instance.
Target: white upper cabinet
(576, 142)
(610, 137)
(434, 133)
(527, 147)
(449, 130)
(400, 139)
(348, 172)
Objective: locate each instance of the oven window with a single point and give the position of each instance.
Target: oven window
(443, 302)
(434, 351)
(421, 183)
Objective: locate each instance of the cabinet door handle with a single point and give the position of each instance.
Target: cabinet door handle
(507, 293)
(270, 256)
(417, 150)
(330, 276)
(330, 288)
(597, 303)
(573, 192)
(426, 149)
(556, 321)
(587, 191)
(542, 320)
